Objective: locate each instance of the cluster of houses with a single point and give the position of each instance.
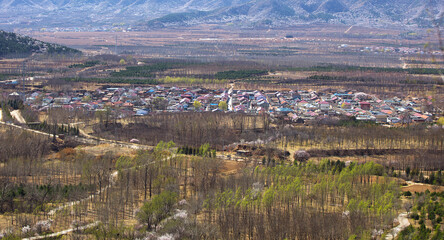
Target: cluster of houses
(402, 50)
(385, 49)
(297, 106)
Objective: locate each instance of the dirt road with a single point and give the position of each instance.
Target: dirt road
(17, 115)
(64, 232)
(403, 223)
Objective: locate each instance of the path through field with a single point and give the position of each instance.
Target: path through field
(64, 232)
(88, 139)
(112, 179)
(26, 129)
(348, 30)
(85, 138)
(403, 223)
(17, 115)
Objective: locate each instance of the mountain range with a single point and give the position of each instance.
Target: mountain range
(242, 13)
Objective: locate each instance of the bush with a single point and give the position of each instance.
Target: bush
(301, 156)
(431, 215)
(67, 154)
(407, 233)
(154, 211)
(414, 216)
(84, 65)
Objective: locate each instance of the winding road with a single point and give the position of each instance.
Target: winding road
(83, 138)
(403, 223)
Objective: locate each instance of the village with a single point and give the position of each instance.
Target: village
(299, 106)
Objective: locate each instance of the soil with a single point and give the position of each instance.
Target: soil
(103, 148)
(231, 167)
(420, 187)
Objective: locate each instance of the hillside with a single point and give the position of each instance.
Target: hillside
(12, 44)
(97, 13)
(397, 13)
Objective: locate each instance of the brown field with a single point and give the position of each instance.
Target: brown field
(418, 187)
(101, 149)
(231, 167)
(314, 43)
(322, 33)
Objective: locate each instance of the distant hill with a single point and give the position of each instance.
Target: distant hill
(12, 44)
(96, 13)
(374, 13)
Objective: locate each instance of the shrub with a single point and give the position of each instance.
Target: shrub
(301, 156)
(157, 209)
(414, 216)
(67, 154)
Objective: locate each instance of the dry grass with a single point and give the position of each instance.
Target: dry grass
(101, 149)
(231, 167)
(420, 187)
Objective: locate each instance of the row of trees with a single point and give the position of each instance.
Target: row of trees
(146, 80)
(146, 71)
(189, 129)
(58, 129)
(304, 201)
(347, 68)
(19, 144)
(434, 178)
(240, 74)
(364, 137)
(87, 64)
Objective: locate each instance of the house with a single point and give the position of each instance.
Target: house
(284, 111)
(393, 120)
(141, 112)
(346, 105)
(417, 117)
(381, 118)
(14, 95)
(62, 100)
(324, 106)
(365, 117)
(364, 105)
(302, 103)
